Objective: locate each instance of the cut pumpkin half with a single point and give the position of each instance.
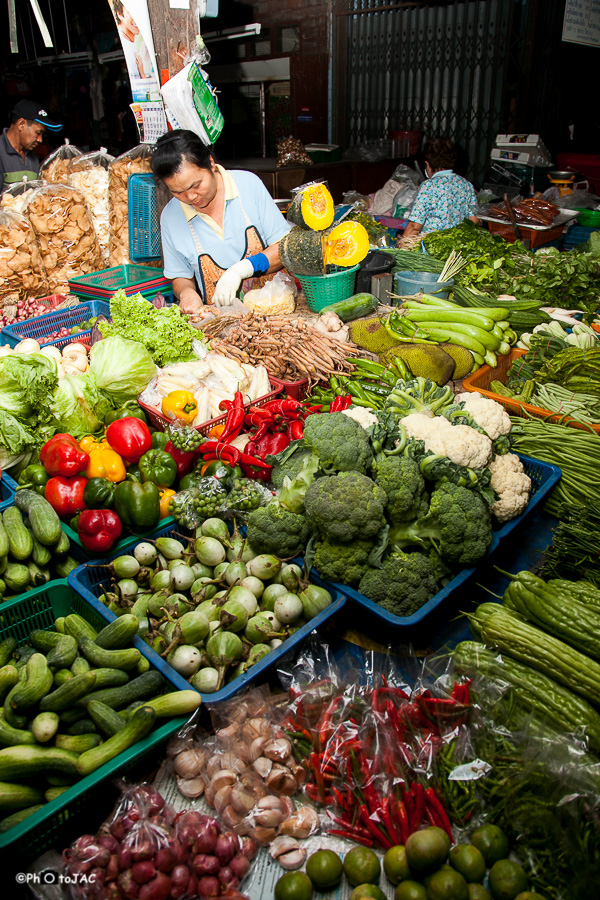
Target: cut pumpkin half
(312, 208)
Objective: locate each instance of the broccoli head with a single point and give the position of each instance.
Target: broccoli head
(458, 526)
(345, 507)
(274, 529)
(341, 444)
(401, 479)
(404, 583)
(343, 562)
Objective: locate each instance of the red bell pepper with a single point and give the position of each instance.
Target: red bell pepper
(267, 444)
(63, 456)
(65, 495)
(130, 438)
(184, 459)
(99, 529)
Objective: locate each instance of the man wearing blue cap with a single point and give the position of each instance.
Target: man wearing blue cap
(29, 122)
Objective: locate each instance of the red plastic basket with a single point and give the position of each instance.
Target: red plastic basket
(160, 422)
(295, 389)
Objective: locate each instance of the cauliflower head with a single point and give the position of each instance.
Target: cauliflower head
(360, 414)
(402, 585)
(340, 443)
(460, 443)
(511, 484)
(343, 562)
(488, 414)
(345, 507)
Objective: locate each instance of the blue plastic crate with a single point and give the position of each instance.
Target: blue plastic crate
(142, 214)
(543, 478)
(89, 580)
(42, 326)
(575, 235)
(8, 489)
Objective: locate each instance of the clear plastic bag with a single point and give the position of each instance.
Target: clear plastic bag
(89, 174)
(276, 298)
(190, 508)
(64, 228)
(17, 196)
(291, 152)
(22, 272)
(56, 168)
(133, 162)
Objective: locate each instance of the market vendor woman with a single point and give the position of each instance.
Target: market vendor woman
(445, 199)
(221, 230)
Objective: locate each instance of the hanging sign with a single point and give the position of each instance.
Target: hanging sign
(581, 24)
(135, 33)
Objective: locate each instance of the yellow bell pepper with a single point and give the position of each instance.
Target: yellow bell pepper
(105, 463)
(90, 442)
(165, 495)
(180, 405)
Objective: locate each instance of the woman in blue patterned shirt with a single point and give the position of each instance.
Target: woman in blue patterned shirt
(445, 199)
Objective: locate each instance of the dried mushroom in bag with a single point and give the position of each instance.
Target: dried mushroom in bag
(18, 195)
(68, 241)
(56, 167)
(22, 272)
(133, 162)
(89, 174)
(291, 152)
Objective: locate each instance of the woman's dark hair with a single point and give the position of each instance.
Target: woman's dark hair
(440, 153)
(178, 147)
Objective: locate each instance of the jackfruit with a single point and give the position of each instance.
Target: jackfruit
(371, 335)
(462, 357)
(427, 361)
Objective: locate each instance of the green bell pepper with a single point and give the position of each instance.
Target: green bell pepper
(134, 473)
(137, 505)
(159, 467)
(34, 477)
(99, 493)
(132, 408)
(159, 440)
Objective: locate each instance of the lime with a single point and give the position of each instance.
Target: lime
(367, 890)
(507, 879)
(478, 892)
(441, 831)
(294, 886)
(426, 850)
(410, 890)
(468, 860)
(447, 884)
(324, 868)
(362, 866)
(491, 842)
(395, 865)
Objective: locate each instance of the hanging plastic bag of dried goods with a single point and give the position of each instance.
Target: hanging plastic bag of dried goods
(68, 241)
(18, 195)
(89, 174)
(22, 273)
(291, 152)
(133, 162)
(56, 167)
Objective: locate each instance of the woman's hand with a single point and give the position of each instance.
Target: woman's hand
(190, 302)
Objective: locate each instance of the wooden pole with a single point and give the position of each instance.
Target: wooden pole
(174, 32)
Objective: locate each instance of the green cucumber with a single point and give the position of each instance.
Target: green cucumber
(16, 577)
(37, 576)
(147, 685)
(60, 649)
(106, 719)
(138, 727)
(62, 675)
(68, 693)
(43, 520)
(119, 633)
(44, 726)
(20, 541)
(84, 726)
(9, 676)
(4, 545)
(10, 736)
(22, 762)
(69, 716)
(110, 659)
(63, 546)
(106, 678)
(78, 743)
(354, 307)
(143, 665)
(37, 683)
(23, 655)
(177, 703)
(51, 794)
(7, 649)
(78, 628)
(63, 567)
(19, 796)
(16, 818)
(41, 555)
(80, 665)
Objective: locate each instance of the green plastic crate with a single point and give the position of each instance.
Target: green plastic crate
(65, 818)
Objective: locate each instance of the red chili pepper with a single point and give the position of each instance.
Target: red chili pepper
(63, 456)
(283, 407)
(401, 816)
(219, 450)
(314, 764)
(98, 529)
(376, 833)
(235, 418)
(314, 794)
(336, 404)
(350, 836)
(435, 808)
(130, 438)
(255, 468)
(65, 495)
(313, 409)
(387, 821)
(296, 431)
(349, 826)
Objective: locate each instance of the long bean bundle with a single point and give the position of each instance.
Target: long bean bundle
(575, 551)
(577, 452)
